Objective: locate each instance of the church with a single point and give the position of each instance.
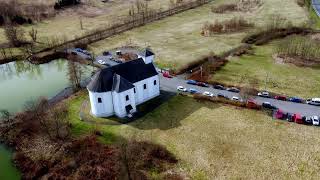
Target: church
(118, 89)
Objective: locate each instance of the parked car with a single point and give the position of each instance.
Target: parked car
(315, 120)
(296, 100)
(219, 87)
(222, 96)
(78, 50)
(313, 101)
(192, 82)
(166, 74)
(101, 62)
(202, 84)
(279, 114)
(86, 52)
(235, 98)
(252, 104)
(182, 89)
(268, 105)
(106, 53)
(193, 91)
(282, 98)
(289, 117)
(297, 118)
(264, 94)
(206, 93)
(307, 120)
(233, 89)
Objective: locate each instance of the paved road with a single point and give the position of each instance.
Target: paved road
(304, 109)
(316, 6)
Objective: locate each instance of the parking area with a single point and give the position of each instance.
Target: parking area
(171, 84)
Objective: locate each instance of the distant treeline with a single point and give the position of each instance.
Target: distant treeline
(13, 12)
(62, 3)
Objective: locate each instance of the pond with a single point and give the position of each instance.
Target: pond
(21, 82)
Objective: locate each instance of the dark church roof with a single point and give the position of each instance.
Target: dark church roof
(147, 52)
(120, 84)
(129, 72)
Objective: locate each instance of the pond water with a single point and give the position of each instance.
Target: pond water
(21, 82)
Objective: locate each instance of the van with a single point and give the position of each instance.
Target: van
(314, 101)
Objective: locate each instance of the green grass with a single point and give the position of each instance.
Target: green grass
(213, 141)
(177, 40)
(282, 78)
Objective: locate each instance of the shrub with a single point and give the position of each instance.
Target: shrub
(233, 25)
(224, 8)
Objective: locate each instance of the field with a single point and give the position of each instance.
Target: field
(214, 141)
(177, 40)
(262, 67)
(94, 14)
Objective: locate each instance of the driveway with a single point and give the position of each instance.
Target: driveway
(304, 109)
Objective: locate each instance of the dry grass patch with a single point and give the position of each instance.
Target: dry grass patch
(177, 40)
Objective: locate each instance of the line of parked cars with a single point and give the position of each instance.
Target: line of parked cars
(207, 93)
(297, 118)
(313, 101)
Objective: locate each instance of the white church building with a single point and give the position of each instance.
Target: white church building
(117, 90)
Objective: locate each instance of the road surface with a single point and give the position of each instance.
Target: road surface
(291, 107)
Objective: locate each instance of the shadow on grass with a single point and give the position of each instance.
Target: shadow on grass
(169, 115)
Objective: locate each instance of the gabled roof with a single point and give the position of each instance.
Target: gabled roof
(132, 72)
(146, 53)
(120, 84)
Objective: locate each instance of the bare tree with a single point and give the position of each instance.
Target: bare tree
(33, 34)
(75, 74)
(14, 35)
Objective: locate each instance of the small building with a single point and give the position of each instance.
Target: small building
(117, 90)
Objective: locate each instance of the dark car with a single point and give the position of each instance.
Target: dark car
(193, 91)
(202, 84)
(233, 89)
(193, 82)
(222, 96)
(106, 53)
(281, 98)
(219, 87)
(296, 100)
(268, 105)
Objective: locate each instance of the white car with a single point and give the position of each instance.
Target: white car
(206, 93)
(264, 94)
(235, 98)
(182, 89)
(315, 120)
(313, 101)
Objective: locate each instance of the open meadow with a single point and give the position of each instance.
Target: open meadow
(214, 141)
(94, 14)
(270, 73)
(177, 40)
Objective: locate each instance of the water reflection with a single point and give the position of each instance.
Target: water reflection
(22, 81)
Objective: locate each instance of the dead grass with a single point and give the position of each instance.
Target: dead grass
(222, 142)
(177, 40)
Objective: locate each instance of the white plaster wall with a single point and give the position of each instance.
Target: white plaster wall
(148, 59)
(103, 109)
(120, 102)
(142, 95)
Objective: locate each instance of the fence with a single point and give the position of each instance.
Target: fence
(128, 23)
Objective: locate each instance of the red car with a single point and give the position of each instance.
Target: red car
(166, 74)
(282, 98)
(251, 104)
(297, 118)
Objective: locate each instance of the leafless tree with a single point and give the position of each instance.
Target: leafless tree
(14, 35)
(33, 34)
(75, 74)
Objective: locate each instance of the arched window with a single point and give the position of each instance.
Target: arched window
(155, 82)
(145, 86)
(99, 100)
(127, 97)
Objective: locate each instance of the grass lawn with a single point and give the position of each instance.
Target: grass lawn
(177, 40)
(94, 15)
(220, 142)
(282, 78)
